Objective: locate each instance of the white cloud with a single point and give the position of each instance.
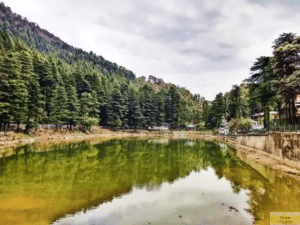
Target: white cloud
(206, 46)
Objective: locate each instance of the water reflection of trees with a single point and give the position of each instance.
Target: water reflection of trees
(268, 192)
(82, 172)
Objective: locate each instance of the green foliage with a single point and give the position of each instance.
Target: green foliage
(274, 84)
(45, 83)
(286, 53)
(72, 104)
(15, 88)
(59, 109)
(116, 109)
(215, 113)
(205, 113)
(89, 122)
(240, 124)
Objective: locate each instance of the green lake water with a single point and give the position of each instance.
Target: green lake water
(134, 181)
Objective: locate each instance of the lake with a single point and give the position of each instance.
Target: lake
(139, 181)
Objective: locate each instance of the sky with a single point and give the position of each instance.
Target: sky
(205, 46)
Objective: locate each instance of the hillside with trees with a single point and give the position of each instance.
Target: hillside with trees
(44, 80)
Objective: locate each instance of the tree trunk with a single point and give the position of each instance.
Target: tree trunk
(5, 126)
(279, 107)
(286, 112)
(265, 115)
(18, 127)
(294, 112)
(290, 112)
(268, 116)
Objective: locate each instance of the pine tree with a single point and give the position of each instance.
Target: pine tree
(35, 98)
(55, 75)
(148, 106)
(168, 108)
(81, 82)
(124, 102)
(86, 103)
(95, 107)
(87, 111)
(35, 101)
(17, 93)
(134, 114)
(172, 107)
(42, 69)
(104, 99)
(9, 43)
(218, 110)
(205, 113)
(72, 105)
(59, 107)
(160, 108)
(115, 109)
(4, 93)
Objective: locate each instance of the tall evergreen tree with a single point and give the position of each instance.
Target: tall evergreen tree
(218, 110)
(59, 107)
(72, 104)
(18, 93)
(134, 112)
(115, 109)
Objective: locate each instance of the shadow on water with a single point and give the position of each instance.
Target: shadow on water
(40, 184)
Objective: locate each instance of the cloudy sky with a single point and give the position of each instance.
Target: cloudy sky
(204, 45)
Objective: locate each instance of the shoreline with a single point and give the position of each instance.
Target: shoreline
(285, 167)
(251, 156)
(9, 141)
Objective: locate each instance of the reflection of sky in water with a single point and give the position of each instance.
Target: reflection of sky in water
(197, 198)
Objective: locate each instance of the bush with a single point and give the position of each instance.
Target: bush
(31, 125)
(240, 124)
(89, 122)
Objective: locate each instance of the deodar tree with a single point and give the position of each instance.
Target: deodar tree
(286, 53)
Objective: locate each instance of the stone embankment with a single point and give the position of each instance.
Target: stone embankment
(279, 151)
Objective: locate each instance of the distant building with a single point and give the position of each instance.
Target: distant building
(224, 127)
(191, 127)
(256, 126)
(260, 116)
(297, 103)
(163, 126)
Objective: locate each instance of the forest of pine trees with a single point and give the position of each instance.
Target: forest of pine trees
(43, 82)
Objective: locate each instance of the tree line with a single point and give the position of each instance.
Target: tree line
(38, 87)
(274, 85)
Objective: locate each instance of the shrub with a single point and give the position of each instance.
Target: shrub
(240, 124)
(89, 122)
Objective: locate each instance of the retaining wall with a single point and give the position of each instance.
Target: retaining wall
(281, 144)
